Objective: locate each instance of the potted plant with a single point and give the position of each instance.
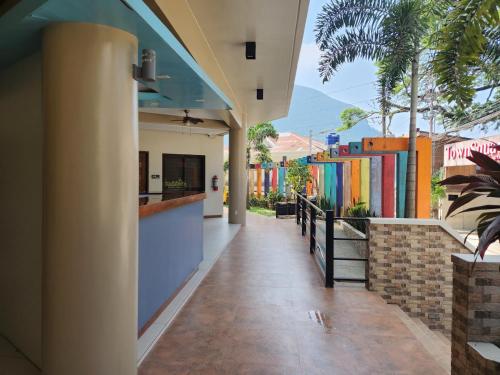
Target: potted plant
(274, 197)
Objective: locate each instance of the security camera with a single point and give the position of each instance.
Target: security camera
(146, 72)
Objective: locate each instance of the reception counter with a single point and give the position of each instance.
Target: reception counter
(170, 248)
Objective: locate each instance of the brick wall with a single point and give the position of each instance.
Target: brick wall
(410, 265)
(476, 315)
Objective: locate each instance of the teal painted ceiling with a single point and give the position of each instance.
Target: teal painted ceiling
(188, 85)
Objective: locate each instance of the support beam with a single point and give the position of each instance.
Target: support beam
(237, 175)
(90, 207)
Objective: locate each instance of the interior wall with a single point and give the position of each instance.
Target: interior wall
(163, 142)
(21, 137)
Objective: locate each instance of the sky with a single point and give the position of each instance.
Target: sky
(354, 83)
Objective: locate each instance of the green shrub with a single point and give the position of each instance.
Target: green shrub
(274, 197)
(254, 201)
(358, 210)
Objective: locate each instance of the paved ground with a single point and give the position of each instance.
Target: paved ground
(262, 310)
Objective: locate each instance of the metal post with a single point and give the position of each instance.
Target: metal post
(367, 263)
(329, 250)
(312, 231)
(297, 209)
(304, 217)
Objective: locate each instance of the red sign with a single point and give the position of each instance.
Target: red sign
(456, 154)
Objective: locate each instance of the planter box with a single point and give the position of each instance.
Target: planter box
(281, 209)
(291, 208)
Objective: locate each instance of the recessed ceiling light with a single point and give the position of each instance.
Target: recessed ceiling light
(200, 100)
(163, 76)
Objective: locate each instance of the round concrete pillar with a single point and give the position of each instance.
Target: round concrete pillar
(90, 201)
(237, 176)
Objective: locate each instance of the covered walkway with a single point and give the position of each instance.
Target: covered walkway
(263, 310)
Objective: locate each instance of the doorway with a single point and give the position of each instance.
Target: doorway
(143, 172)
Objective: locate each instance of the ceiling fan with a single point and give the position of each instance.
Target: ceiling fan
(189, 120)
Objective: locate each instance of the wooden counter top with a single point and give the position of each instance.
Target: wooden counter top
(158, 203)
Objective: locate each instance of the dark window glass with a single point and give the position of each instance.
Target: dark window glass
(183, 173)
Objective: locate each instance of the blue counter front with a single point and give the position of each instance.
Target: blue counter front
(170, 250)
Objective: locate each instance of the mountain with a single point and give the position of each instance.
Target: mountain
(312, 109)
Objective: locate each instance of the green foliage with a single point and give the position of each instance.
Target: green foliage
(468, 47)
(297, 175)
(359, 210)
(274, 197)
(437, 190)
(480, 185)
(226, 165)
(254, 201)
(324, 203)
(351, 116)
(256, 136)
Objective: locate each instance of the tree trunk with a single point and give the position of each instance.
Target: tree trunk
(384, 113)
(384, 126)
(411, 169)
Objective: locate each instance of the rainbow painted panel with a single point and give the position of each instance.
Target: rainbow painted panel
(347, 185)
(327, 179)
(321, 180)
(364, 183)
(275, 178)
(259, 182)
(355, 148)
(333, 184)
(402, 160)
(266, 181)
(376, 185)
(281, 180)
(388, 185)
(340, 188)
(355, 181)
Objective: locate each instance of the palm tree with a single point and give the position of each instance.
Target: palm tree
(387, 31)
(256, 137)
(468, 50)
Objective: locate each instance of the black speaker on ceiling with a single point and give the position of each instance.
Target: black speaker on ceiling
(260, 94)
(250, 50)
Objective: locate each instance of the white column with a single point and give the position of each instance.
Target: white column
(237, 176)
(90, 201)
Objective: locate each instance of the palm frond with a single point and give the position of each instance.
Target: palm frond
(340, 14)
(471, 30)
(349, 46)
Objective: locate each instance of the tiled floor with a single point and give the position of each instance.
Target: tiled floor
(217, 234)
(262, 310)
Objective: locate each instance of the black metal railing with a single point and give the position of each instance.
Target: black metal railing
(308, 213)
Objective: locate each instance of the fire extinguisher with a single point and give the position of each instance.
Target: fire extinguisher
(215, 183)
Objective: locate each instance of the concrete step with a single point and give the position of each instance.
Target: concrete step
(432, 341)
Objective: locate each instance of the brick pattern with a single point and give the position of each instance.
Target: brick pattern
(410, 265)
(476, 314)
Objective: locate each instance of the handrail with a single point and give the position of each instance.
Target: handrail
(327, 253)
(310, 203)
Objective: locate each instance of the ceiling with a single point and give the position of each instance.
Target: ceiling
(171, 120)
(183, 83)
(200, 113)
(215, 33)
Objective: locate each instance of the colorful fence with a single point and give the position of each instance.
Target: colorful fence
(372, 171)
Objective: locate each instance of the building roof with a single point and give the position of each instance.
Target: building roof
(291, 142)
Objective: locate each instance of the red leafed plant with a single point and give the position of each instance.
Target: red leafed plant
(485, 184)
